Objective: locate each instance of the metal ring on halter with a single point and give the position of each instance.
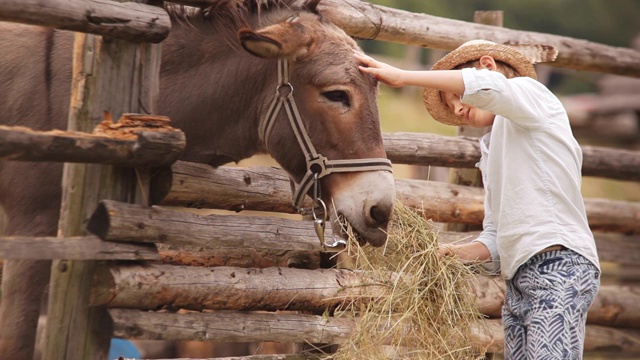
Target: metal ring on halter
(318, 200)
(318, 224)
(324, 210)
(279, 87)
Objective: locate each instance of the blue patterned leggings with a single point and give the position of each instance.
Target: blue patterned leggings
(546, 303)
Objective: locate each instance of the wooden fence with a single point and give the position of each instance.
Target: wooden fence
(253, 262)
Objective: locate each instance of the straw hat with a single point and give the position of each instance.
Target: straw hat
(519, 57)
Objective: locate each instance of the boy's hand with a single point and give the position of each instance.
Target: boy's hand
(472, 253)
(384, 73)
(446, 250)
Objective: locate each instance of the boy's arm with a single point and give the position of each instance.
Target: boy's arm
(443, 80)
(481, 250)
(473, 252)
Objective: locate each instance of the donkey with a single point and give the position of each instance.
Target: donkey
(219, 76)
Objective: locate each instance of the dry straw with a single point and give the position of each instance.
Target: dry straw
(426, 308)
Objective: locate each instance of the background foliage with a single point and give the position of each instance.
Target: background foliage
(607, 22)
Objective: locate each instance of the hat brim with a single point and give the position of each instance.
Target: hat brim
(469, 51)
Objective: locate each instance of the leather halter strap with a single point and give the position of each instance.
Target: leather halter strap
(316, 163)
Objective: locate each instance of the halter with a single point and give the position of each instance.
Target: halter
(318, 166)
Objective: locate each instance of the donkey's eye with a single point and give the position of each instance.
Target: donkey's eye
(337, 96)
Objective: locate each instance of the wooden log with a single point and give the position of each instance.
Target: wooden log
(100, 67)
(185, 238)
(431, 149)
(267, 189)
(613, 216)
(74, 248)
(256, 188)
(364, 20)
(241, 257)
(233, 189)
(154, 286)
(128, 21)
(611, 341)
(616, 306)
(230, 288)
(464, 152)
(117, 221)
(618, 249)
(126, 146)
(239, 327)
(230, 326)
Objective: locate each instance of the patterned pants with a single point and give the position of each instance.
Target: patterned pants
(546, 303)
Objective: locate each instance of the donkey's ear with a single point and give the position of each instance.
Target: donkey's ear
(287, 39)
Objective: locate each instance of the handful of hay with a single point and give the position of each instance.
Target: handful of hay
(426, 309)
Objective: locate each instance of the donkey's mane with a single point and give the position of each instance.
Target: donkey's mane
(226, 14)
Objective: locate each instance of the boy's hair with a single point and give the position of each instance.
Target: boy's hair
(502, 67)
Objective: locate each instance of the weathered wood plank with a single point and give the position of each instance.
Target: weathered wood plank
(74, 248)
(236, 327)
(195, 185)
(101, 67)
(145, 148)
(129, 21)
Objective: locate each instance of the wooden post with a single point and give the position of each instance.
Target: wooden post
(119, 77)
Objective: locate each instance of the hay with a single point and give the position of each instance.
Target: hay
(427, 309)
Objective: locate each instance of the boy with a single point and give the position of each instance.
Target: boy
(535, 230)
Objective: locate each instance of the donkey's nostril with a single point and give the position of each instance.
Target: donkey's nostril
(380, 214)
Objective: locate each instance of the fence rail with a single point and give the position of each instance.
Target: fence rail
(154, 286)
(128, 21)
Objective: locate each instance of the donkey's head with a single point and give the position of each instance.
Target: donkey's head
(338, 111)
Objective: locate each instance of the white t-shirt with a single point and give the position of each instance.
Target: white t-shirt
(531, 169)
